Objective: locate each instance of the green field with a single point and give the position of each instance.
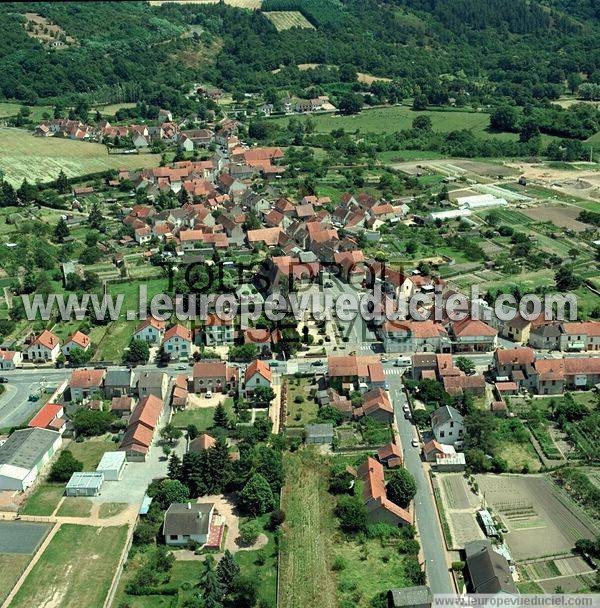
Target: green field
(397, 118)
(286, 20)
(44, 499)
(75, 570)
(22, 155)
(11, 567)
(201, 417)
(299, 414)
(90, 452)
(75, 507)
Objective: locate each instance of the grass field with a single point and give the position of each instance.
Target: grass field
(286, 20)
(90, 452)
(396, 118)
(299, 414)
(110, 509)
(75, 507)
(44, 499)
(41, 159)
(305, 558)
(75, 570)
(11, 567)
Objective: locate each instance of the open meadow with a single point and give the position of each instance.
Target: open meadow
(22, 155)
(286, 20)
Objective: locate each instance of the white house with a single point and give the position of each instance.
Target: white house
(77, 340)
(218, 331)
(188, 522)
(9, 359)
(24, 455)
(46, 347)
(178, 342)
(143, 235)
(448, 426)
(150, 330)
(258, 374)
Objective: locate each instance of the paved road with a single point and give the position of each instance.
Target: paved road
(438, 575)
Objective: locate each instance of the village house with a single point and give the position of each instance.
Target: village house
(360, 372)
(46, 347)
(85, 383)
(188, 522)
(76, 340)
(218, 332)
(50, 417)
(390, 455)
(516, 364)
(555, 376)
(118, 383)
(258, 375)
(141, 429)
(415, 336)
(472, 335)
(122, 406)
(376, 405)
(214, 376)
(150, 330)
(152, 383)
(580, 336)
(178, 342)
(10, 359)
(379, 508)
(202, 443)
(448, 426)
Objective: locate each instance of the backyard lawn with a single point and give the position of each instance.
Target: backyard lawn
(300, 414)
(75, 507)
(90, 452)
(11, 567)
(202, 417)
(75, 570)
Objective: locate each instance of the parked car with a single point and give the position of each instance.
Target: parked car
(208, 394)
(415, 443)
(33, 397)
(182, 367)
(3, 379)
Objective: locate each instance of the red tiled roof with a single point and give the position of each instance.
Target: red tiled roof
(80, 339)
(259, 367)
(47, 339)
(86, 378)
(45, 416)
(515, 356)
(147, 412)
(180, 331)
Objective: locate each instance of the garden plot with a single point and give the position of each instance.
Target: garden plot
(540, 518)
(571, 573)
(564, 217)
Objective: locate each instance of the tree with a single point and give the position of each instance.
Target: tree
(420, 102)
(62, 183)
(174, 470)
(465, 365)
(170, 491)
(90, 423)
(350, 103)
(352, 514)
(192, 432)
(220, 418)
(257, 496)
(139, 351)
(422, 123)
(566, 279)
(504, 118)
(330, 414)
(61, 231)
(78, 356)
(227, 571)
(64, 466)
(401, 488)
(249, 532)
(212, 592)
(170, 433)
(262, 395)
(95, 218)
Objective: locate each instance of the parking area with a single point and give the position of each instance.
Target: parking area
(21, 538)
(541, 519)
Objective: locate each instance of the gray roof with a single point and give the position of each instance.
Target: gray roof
(489, 571)
(86, 480)
(111, 461)
(118, 377)
(319, 430)
(151, 379)
(548, 331)
(190, 518)
(25, 448)
(444, 414)
(410, 596)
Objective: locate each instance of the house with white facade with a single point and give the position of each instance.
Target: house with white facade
(46, 347)
(150, 330)
(258, 374)
(448, 426)
(76, 340)
(178, 342)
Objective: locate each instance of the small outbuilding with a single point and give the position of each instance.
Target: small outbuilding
(84, 484)
(112, 465)
(410, 597)
(319, 433)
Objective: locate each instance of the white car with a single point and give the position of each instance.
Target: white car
(415, 443)
(208, 394)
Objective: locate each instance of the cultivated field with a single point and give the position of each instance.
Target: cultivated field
(40, 159)
(250, 4)
(286, 20)
(541, 519)
(75, 570)
(565, 217)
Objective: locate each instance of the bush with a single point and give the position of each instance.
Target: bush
(65, 465)
(339, 563)
(249, 532)
(298, 399)
(458, 566)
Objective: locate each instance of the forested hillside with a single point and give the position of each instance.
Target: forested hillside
(470, 51)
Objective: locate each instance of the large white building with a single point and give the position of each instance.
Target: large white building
(24, 454)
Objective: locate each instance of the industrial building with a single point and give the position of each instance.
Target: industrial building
(24, 454)
(112, 465)
(84, 484)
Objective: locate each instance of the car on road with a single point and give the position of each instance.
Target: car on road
(384, 359)
(328, 284)
(386, 386)
(3, 379)
(403, 362)
(33, 397)
(208, 394)
(182, 367)
(415, 443)
(317, 363)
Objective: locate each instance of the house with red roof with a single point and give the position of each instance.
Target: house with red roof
(390, 455)
(214, 376)
(86, 382)
(364, 371)
(9, 359)
(258, 375)
(76, 340)
(178, 342)
(473, 335)
(50, 417)
(141, 429)
(415, 336)
(379, 508)
(150, 330)
(201, 443)
(376, 405)
(46, 347)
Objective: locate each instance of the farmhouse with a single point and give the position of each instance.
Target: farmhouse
(85, 382)
(24, 455)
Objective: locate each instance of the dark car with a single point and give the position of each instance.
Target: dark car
(3, 379)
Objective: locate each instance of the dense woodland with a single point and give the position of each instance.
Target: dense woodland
(506, 53)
